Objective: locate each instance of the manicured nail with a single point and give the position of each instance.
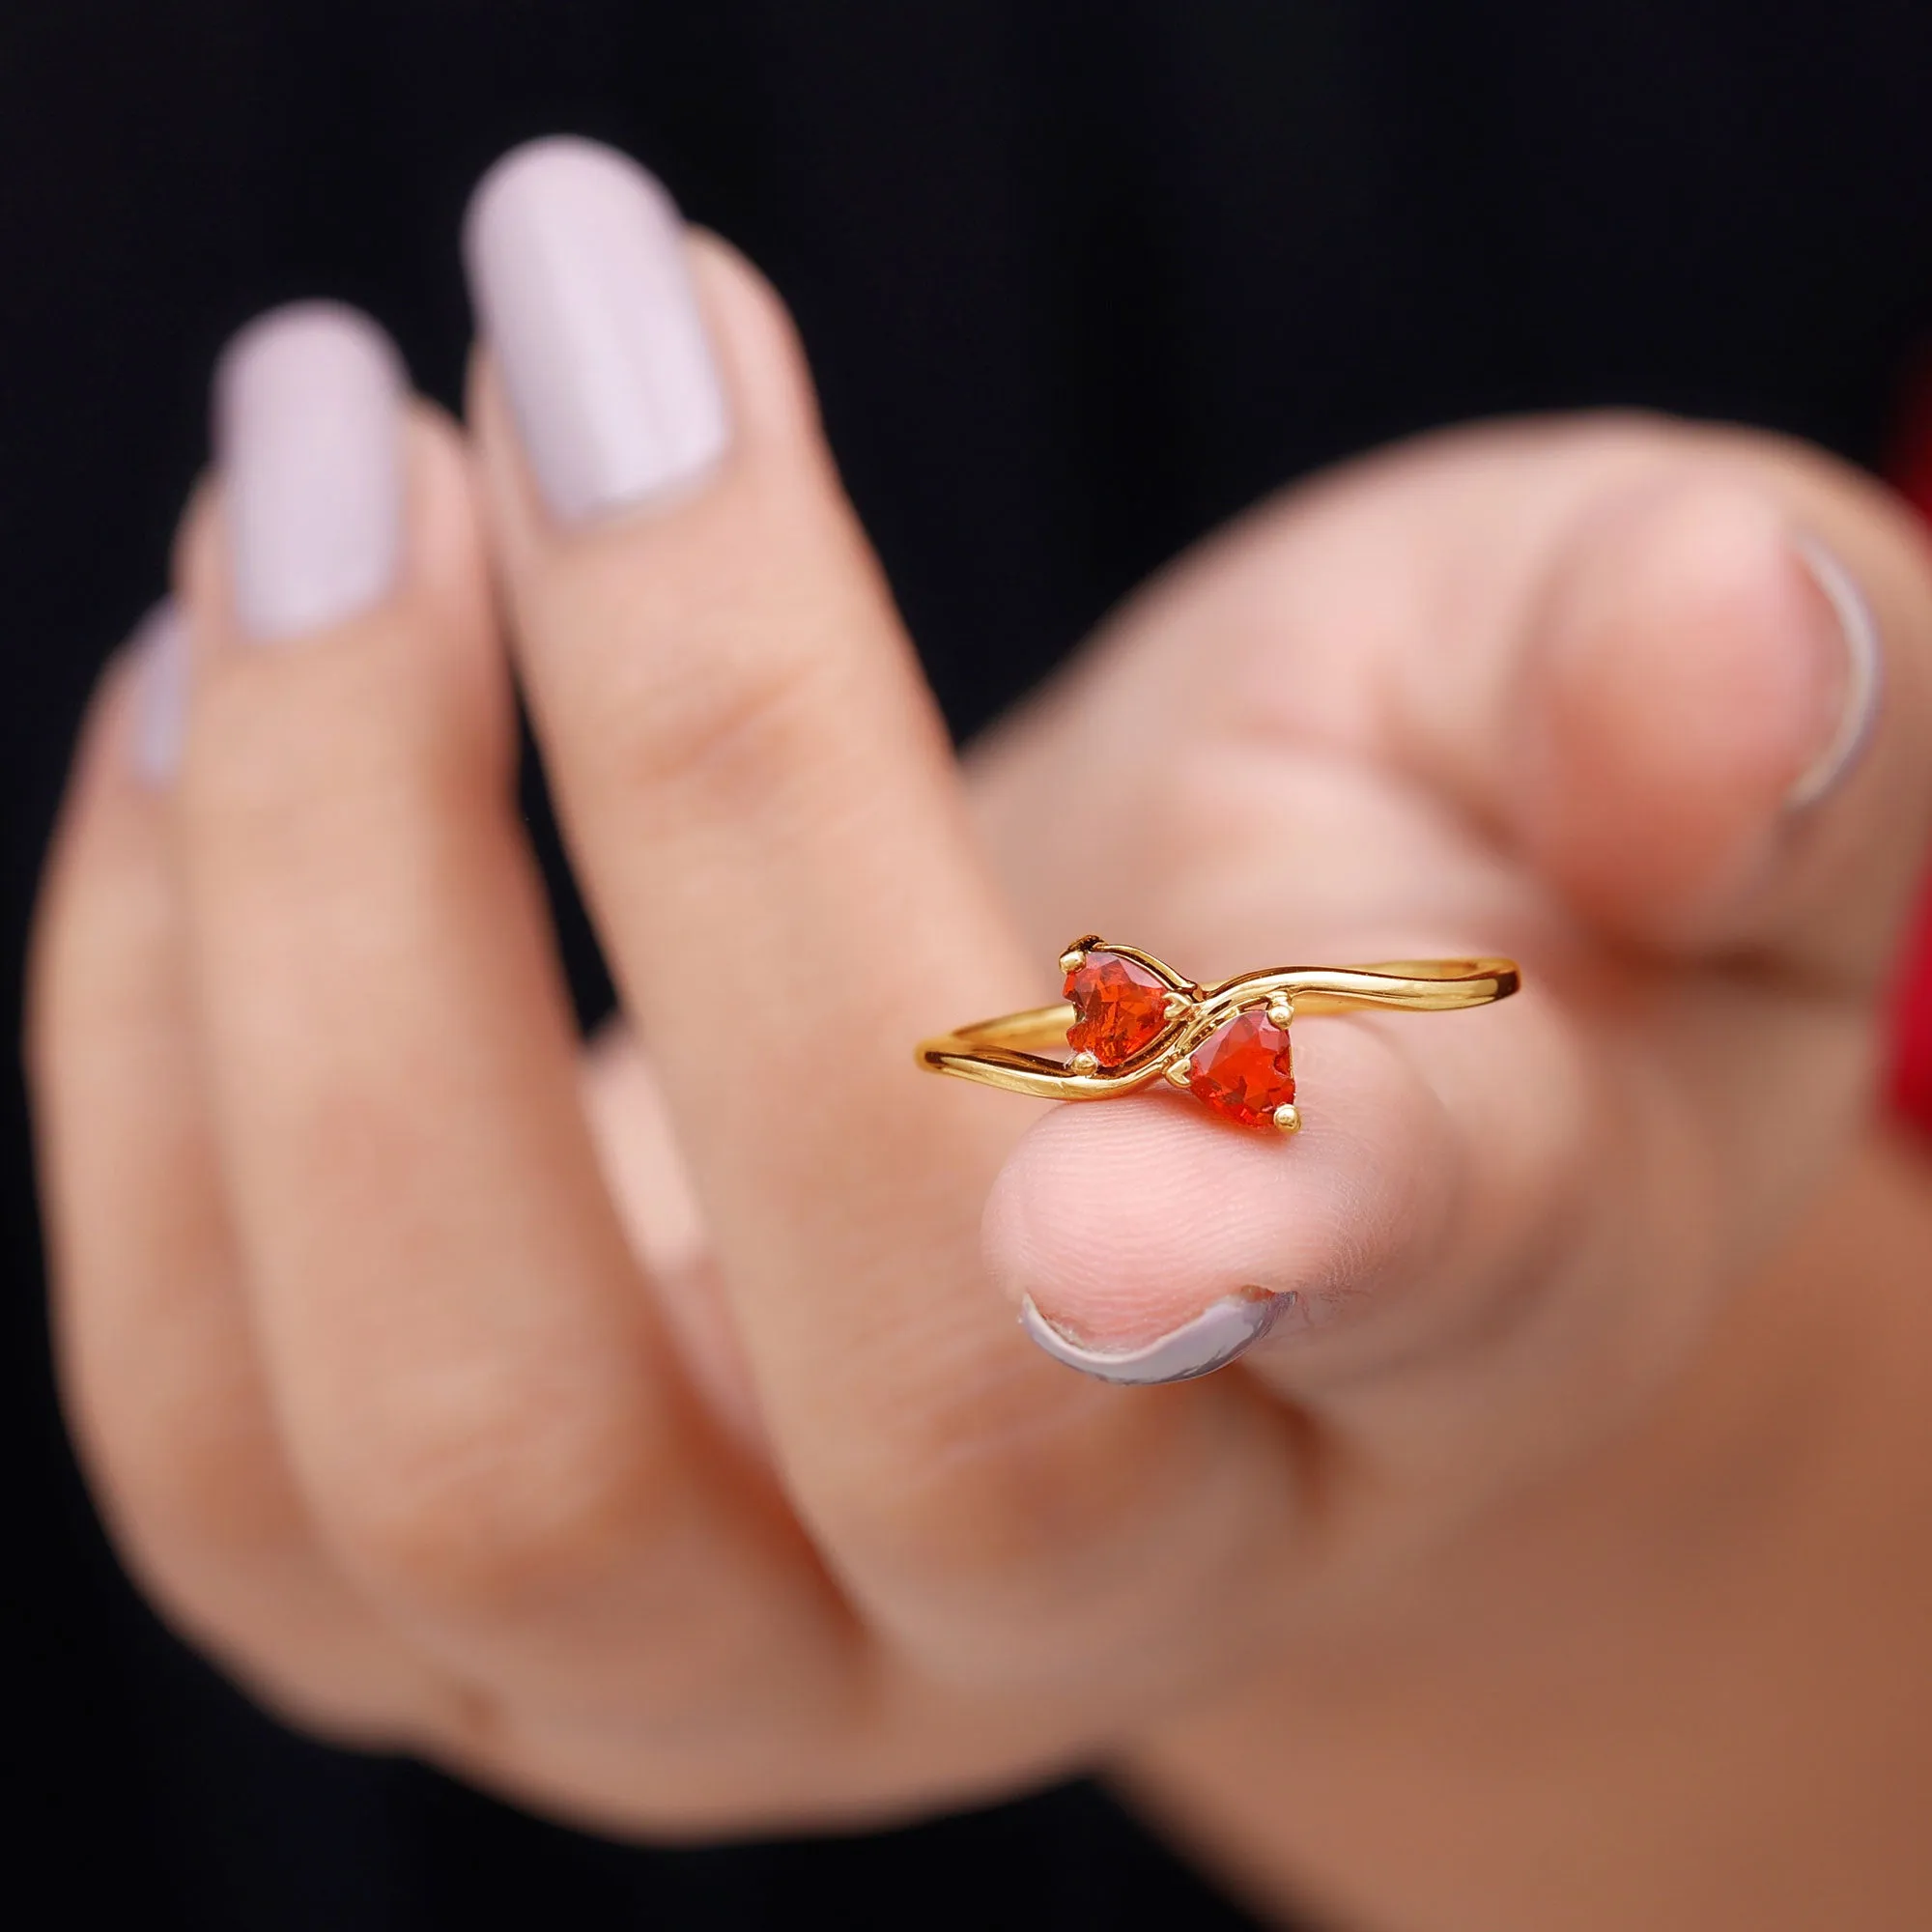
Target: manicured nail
(1219, 1333)
(160, 647)
(308, 433)
(1857, 646)
(579, 277)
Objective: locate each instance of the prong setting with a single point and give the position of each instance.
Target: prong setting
(1126, 1018)
(1075, 955)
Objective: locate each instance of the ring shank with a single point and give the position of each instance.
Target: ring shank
(1412, 985)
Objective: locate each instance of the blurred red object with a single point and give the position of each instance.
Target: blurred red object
(1911, 1026)
(1912, 1006)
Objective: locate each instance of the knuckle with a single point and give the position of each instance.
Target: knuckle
(734, 728)
(250, 785)
(713, 702)
(988, 1505)
(182, 1454)
(274, 730)
(1022, 1557)
(480, 1506)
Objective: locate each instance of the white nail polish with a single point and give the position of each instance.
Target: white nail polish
(1210, 1341)
(1858, 705)
(579, 278)
(308, 419)
(160, 646)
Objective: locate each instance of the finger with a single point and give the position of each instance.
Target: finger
(1724, 709)
(477, 1394)
(1414, 1215)
(1682, 668)
(161, 1383)
(652, 1189)
(766, 812)
(1618, 650)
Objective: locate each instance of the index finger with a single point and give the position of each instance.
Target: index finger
(770, 823)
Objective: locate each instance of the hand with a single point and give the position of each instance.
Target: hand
(423, 1389)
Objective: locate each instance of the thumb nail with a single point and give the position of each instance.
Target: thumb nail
(1215, 1337)
(1854, 704)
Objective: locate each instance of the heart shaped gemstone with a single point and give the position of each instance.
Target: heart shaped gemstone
(1243, 1070)
(1120, 1007)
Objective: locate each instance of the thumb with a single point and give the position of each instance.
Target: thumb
(1666, 701)
(1719, 733)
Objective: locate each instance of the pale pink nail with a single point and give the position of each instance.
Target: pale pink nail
(578, 271)
(309, 432)
(160, 647)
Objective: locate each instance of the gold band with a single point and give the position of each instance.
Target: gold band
(1010, 1052)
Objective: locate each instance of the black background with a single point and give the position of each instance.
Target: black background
(1078, 281)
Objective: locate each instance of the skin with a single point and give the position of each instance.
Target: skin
(1685, 1688)
(647, 1434)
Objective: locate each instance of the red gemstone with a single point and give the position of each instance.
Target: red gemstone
(1120, 1006)
(1244, 1070)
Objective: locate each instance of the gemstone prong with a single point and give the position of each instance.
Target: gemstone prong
(1074, 959)
(1288, 1120)
(1280, 1010)
(1178, 1006)
(1177, 1076)
(1085, 1063)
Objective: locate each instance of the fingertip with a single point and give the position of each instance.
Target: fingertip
(523, 182)
(128, 741)
(197, 565)
(447, 557)
(286, 350)
(336, 491)
(307, 406)
(581, 279)
(1126, 1227)
(424, 659)
(632, 374)
(763, 355)
(1691, 670)
(158, 649)
(105, 902)
(1848, 727)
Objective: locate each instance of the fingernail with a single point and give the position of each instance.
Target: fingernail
(1856, 685)
(160, 645)
(578, 272)
(1214, 1338)
(308, 433)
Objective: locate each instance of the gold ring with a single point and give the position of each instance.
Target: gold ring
(1129, 1019)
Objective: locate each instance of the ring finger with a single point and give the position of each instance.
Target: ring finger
(476, 1394)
